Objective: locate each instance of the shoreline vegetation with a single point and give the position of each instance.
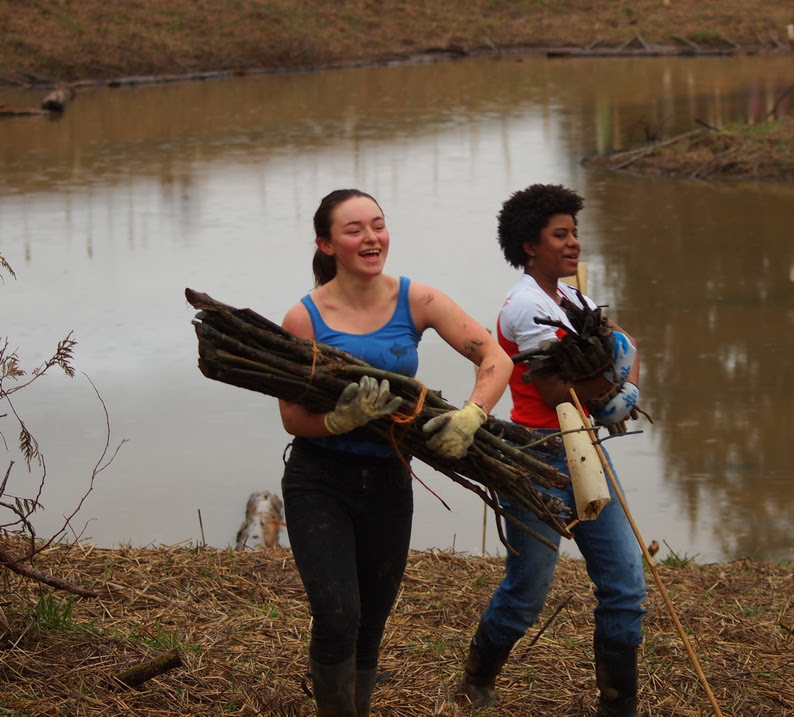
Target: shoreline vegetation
(762, 152)
(53, 41)
(229, 630)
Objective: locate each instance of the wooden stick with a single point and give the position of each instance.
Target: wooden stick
(27, 571)
(649, 558)
(484, 525)
(652, 148)
(241, 348)
(139, 674)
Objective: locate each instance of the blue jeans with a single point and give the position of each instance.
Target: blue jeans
(614, 564)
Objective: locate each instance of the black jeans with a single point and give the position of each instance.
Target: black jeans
(349, 524)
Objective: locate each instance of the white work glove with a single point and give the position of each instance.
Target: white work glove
(623, 355)
(361, 403)
(454, 430)
(619, 407)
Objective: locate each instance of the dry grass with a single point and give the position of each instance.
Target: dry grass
(68, 40)
(762, 152)
(240, 622)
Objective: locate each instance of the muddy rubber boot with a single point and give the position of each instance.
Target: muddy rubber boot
(483, 663)
(365, 683)
(334, 688)
(616, 677)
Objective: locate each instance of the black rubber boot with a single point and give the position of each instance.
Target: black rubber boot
(484, 662)
(334, 688)
(616, 677)
(365, 683)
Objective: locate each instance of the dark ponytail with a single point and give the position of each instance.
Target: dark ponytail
(324, 268)
(323, 265)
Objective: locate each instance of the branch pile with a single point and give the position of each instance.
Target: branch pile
(581, 354)
(241, 348)
(585, 352)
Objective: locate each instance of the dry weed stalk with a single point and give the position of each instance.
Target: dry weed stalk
(20, 509)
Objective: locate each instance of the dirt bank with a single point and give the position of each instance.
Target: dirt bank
(68, 40)
(760, 152)
(240, 623)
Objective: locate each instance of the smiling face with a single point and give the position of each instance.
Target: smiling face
(359, 240)
(556, 254)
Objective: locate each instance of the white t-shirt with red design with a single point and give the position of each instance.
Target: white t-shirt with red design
(517, 332)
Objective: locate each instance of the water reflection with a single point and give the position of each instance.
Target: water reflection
(132, 132)
(706, 280)
(136, 193)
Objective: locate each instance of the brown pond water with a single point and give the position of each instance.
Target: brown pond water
(107, 214)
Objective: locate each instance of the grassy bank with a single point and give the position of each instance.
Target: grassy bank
(67, 40)
(762, 152)
(240, 623)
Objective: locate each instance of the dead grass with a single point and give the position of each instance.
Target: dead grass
(67, 40)
(760, 152)
(240, 622)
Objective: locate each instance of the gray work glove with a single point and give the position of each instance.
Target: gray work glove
(361, 403)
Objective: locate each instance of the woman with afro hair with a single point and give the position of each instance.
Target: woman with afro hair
(537, 231)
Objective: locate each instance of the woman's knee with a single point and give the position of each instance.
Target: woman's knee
(334, 636)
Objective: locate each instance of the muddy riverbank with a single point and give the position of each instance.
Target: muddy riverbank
(66, 40)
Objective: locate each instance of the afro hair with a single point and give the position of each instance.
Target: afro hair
(527, 212)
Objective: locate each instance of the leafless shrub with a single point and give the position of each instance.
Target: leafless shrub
(16, 511)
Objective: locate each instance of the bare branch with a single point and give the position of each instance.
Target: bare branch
(5, 479)
(5, 265)
(102, 463)
(23, 508)
(29, 572)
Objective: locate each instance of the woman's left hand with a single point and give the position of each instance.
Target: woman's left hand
(454, 431)
(619, 407)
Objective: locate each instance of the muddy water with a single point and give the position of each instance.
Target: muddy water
(109, 213)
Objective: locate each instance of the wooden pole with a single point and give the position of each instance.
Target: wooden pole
(578, 280)
(139, 674)
(657, 578)
(484, 525)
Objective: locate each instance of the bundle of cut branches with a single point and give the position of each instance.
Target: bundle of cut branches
(242, 348)
(585, 352)
(580, 354)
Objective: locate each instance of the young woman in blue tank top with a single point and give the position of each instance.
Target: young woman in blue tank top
(347, 497)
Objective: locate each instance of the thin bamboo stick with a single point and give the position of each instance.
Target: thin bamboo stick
(649, 559)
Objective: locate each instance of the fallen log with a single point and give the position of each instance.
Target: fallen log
(139, 674)
(29, 112)
(264, 517)
(53, 104)
(242, 348)
(27, 571)
(58, 99)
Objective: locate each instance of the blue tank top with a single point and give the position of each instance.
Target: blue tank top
(392, 347)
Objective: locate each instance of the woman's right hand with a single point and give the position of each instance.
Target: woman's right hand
(361, 403)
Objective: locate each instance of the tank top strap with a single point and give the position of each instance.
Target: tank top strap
(403, 303)
(319, 326)
(401, 312)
